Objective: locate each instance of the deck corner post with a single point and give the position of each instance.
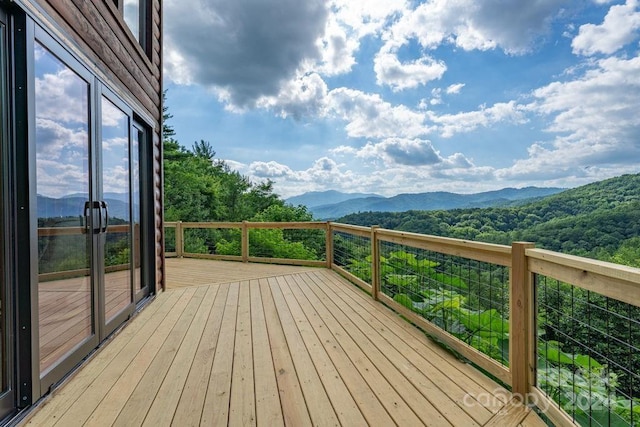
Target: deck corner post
(375, 262)
(522, 341)
(329, 245)
(179, 240)
(245, 242)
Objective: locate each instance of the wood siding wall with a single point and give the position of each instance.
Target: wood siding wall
(98, 34)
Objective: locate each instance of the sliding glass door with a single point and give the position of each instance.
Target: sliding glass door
(88, 210)
(68, 218)
(76, 253)
(114, 188)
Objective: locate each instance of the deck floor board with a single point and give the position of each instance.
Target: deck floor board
(273, 346)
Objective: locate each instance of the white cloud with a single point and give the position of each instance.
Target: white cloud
(455, 89)
(451, 124)
(112, 116)
(405, 75)
(602, 104)
(369, 116)
(269, 170)
(367, 17)
(56, 141)
(619, 28)
(115, 179)
(469, 24)
(58, 179)
(349, 22)
(324, 173)
(596, 122)
(454, 173)
(436, 99)
(415, 153)
(116, 142)
(338, 47)
(62, 97)
(304, 96)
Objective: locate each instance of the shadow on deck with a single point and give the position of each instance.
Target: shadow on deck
(242, 344)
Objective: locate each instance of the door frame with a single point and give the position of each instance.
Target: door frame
(107, 326)
(80, 352)
(7, 345)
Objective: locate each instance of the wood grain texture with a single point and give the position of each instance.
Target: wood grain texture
(282, 346)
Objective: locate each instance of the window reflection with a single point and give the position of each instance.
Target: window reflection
(131, 12)
(62, 186)
(117, 194)
(136, 202)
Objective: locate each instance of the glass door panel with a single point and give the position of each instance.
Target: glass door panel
(116, 194)
(67, 219)
(137, 136)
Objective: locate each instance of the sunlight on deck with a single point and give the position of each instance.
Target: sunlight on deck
(242, 344)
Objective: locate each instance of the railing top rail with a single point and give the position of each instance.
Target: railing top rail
(615, 281)
(486, 252)
(353, 229)
(73, 231)
(289, 225)
(603, 268)
(311, 225)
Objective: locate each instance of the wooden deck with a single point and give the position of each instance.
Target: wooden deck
(65, 310)
(244, 344)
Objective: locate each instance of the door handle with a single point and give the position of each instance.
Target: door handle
(87, 208)
(89, 217)
(104, 208)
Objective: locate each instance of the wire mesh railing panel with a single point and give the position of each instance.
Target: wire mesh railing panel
(588, 354)
(294, 244)
(213, 241)
(170, 239)
(467, 298)
(353, 254)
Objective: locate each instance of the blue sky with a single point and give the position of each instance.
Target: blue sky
(398, 96)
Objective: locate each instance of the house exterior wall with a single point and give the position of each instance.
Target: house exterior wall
(91, 41)
(96, 31)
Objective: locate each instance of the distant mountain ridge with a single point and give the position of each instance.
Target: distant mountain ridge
(599, 220)
(440, 200)
(329, 197)
(73, 206)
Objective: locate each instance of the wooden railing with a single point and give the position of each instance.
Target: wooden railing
(53, 232)
(523, 261)
(244, 228)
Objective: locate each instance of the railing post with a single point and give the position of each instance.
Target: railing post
(375, 263)
(245, 242)
(521, 323)
(329, 245)
(179, 240)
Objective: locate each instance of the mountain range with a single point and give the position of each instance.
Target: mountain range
(334, 204)
(72, 205)
(330, 197)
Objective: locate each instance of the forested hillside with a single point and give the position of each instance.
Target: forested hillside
(599, 220)
(199, 187)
